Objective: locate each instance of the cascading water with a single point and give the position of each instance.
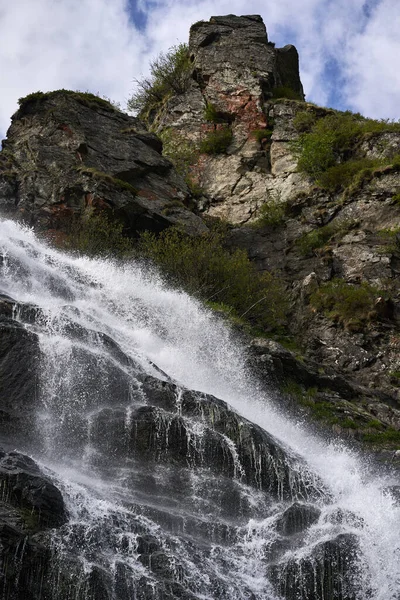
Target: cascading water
(170, 493)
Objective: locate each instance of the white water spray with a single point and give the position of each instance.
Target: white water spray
(163, 329)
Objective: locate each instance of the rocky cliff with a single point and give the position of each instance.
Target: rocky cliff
(67, 152)
(334, 242)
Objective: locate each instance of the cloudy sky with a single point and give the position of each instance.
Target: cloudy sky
(349, 49)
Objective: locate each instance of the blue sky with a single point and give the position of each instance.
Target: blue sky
(349, 49)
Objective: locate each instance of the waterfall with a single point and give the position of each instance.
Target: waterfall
(181, 477)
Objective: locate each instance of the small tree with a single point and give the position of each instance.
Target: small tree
(169, 74)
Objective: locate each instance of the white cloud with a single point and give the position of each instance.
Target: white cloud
(73, 44)
(93, 44)
(371, 63)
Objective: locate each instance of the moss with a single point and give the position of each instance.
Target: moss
(114, 181)
(391, 239)
(217, 141)
(172, 207)
(32, 102)
(30, 519)
(348, 423)
(390, 436)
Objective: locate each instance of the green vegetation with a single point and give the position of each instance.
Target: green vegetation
(327, 148)
(183, 153)
(304, 120)
(212, 115)
(172, 207)
(169, 74)
(391, 239)
(98, 235)
(114, 181)
(283, 91)
(317, 238)
(262, 134)
(348, 304)
(203, 267)
(388, 436)
(396, 199)
(32, 102)
(272, 213)
(217, 141)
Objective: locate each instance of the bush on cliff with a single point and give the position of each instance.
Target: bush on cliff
(98, 235)
(326, 150)
(183, 153)
(204, 268)
(32, 102)
(169, 74)
(217, 141)
(349, 304)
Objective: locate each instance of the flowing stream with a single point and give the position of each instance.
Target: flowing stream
(150, 515)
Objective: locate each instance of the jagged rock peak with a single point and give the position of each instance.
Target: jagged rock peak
(238, 45)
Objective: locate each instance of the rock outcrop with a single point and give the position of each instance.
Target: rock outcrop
(237, 71)
(66, 152)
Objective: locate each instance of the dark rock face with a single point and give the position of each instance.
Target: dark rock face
(30, 505)
(323, 575)
(19, 355)
(66, 156)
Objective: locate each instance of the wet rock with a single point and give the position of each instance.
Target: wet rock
(297, 518)
(19, 356)
(26, 488)
(327, 573)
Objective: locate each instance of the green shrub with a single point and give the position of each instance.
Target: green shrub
(217, 141)
(350, 305)
(389, 436)
(213, 115)
(169, 74)
(98, 235)
(272, 213)
(183, 153)
(391, 237)
(326, 151)
(317, 238)
(283, 91)
(396, 199)
(349, 173)
(203, 267)
(262, 134)
(304, 120)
